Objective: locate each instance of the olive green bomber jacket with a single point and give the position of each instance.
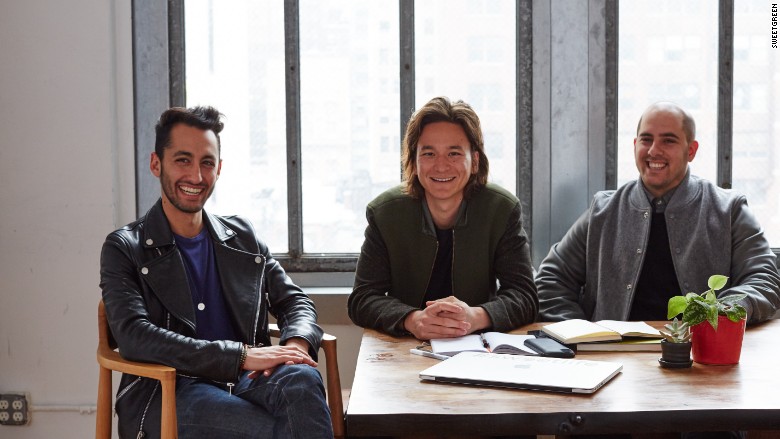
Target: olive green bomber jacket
(491, 260)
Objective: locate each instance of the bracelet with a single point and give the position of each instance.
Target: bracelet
(243, 356)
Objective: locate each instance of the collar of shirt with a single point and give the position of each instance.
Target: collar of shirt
(659, 204)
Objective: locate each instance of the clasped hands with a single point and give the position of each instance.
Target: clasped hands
(265, 359)
(446, 318)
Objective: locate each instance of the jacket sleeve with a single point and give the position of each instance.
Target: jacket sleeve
(293, 309)
(139, 339)
(561, 276)
(369, 305)
(753, 265)
(516, 302)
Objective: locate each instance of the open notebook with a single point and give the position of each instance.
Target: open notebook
(523, 372)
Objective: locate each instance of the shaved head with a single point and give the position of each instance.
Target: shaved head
(688, 124)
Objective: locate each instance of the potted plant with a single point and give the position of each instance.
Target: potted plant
(676, 345)
(717, 324)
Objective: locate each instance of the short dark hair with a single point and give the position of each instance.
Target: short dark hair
(440, 109)
(205, 118)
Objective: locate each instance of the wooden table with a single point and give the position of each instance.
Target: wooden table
(388, 398)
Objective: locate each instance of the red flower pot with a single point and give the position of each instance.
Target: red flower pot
(718, 347)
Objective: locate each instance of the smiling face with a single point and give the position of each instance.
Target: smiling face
(188, 170)
(444, 162)
(662, 150)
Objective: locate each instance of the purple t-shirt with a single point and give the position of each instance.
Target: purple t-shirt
(212, 319)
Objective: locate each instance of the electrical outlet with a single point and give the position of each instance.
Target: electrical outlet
(14, 409)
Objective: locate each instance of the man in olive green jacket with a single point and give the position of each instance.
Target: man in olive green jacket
(445, 254)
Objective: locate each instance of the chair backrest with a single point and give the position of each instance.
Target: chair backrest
(333, 382)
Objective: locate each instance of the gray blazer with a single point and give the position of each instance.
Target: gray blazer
(591, 273)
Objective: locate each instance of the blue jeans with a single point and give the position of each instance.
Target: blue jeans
(288, 404)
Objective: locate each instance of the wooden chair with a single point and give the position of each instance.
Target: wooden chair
(109, 360)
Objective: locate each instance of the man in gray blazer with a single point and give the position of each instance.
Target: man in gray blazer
(659, 236)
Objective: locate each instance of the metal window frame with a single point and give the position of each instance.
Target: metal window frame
(159, 76)
(612, 27)
(725, 91)
(151, 90)
(159, 72)
(524, 110)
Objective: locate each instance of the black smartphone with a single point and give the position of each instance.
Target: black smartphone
(548, 347)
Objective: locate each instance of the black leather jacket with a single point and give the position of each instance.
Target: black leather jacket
(152, 318)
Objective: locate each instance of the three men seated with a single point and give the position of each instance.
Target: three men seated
(445, 254)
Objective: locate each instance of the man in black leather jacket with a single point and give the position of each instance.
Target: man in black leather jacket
(193, 291)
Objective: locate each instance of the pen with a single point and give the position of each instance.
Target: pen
(428, 354)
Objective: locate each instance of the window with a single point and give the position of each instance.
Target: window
(680, 63)
(470, 55)
(669, 64)
(344, 166)
(756, 148)
(349, 105)
(325, 87)
(235, 62)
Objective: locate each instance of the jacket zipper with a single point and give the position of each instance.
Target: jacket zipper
(141, 433)
(253, 336)
(632, 292)
(433, 264)
(127, 388)
(261, 297)
(452, 264)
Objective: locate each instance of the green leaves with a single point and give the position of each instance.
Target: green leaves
(697, 311)
(677, 304)
(731, 309)
(696, 308)
(717, 282)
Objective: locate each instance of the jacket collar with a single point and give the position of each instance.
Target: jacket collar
(219, 230)
(684, 193)
(157, 232)
(428, 228)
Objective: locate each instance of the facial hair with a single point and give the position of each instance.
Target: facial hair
(171, 193)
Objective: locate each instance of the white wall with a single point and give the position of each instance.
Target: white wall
(66, 173)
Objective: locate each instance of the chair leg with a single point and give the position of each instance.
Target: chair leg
(103, 416)
(337, 407)
(333, 382)
(168, 421)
